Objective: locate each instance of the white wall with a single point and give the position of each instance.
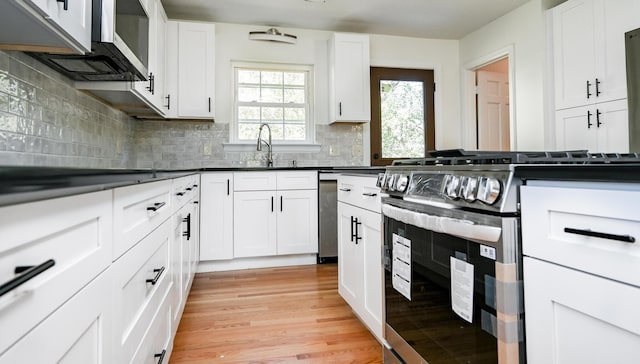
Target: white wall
(524, 30)
(232, 44)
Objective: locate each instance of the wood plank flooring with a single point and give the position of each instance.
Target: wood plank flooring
(272, 315)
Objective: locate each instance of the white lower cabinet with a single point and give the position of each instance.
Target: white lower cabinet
(254, 224)
(156, 345)
(76, 333)
(360, 274)
(216, 238)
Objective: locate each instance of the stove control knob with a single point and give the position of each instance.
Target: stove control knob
(402, 181)
(489, 190)
(469, 188)
(452, 187)
(391, 182)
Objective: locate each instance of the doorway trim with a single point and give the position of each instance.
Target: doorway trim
(469, 117)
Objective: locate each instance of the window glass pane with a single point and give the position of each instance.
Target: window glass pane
(272, 115)
(248, 76)
(271, 95)
(248, 131)
(294, 115)
(248, 114)
(295, 132)
(294, 95)
(294, 78)
(276, 132)
(248, 94)
(402, 119)
(271, 78)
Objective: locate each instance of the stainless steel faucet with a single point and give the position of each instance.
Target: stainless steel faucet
(260, 141)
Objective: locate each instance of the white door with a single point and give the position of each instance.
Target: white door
(576, 129)
(351, 78)
(195, 67)
(297, 221)
(350, 257)
(371, 232)
(254, 224)
(571, 317)
(493, 111)
(216, 208)
(613, 129)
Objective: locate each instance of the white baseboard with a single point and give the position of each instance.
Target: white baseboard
(256, 262)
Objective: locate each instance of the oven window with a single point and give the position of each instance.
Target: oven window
(132, 25)
(427, 321)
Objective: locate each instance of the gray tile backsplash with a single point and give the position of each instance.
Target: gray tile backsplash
(45, 121)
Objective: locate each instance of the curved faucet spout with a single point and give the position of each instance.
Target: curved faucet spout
(260, 141)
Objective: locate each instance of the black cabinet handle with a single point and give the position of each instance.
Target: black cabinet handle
(345, 189)
(588, 89)
(340, 108)
(596, 234)
(25, 275)
(589, 124)
(280, 203)
(598, 122)
(271, 203)
(352, 236)
(195, 185)
(155, 279)
(598, 88)
(188, 188)
(358, 237)
(195, 202)
(168, 106)
(188, 221)
(180, 194)
(150, 87)
(209, 104)
(156, 206)
(66, 4)
(160, 356)
(369, 194)
(228, 188)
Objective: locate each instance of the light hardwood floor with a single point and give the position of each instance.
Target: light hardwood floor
(273, 315)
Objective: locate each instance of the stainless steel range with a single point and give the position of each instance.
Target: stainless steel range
(452, 255)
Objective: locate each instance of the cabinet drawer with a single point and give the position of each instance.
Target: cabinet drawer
(360, 191)
(583, 228)
(156, 343)
(141, 279)
(75, 232)
(78, 332)
(183, 190)
(138, 210)
(254, 181)
(307, 180)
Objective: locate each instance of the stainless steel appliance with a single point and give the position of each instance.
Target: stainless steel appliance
(119, 45)
(632, 50)
(327, 215)
(452, 255)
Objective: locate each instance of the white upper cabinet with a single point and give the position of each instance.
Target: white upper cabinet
(588, 49)
(349, 91)
(191, 67)
(46, 25)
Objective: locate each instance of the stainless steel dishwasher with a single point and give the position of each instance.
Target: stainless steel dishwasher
(328, 217)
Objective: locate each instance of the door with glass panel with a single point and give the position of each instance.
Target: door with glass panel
(402, 114)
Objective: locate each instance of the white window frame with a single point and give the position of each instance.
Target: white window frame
(309, 98)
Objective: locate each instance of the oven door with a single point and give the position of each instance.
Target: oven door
(441, 291)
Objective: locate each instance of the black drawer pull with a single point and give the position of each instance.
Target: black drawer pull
(156, 206)
(352, 235)
(188, 221)
(596, 234)
(369, 194)
(155, 279)
(345, 189)
(66, 4)
(160, 356)
(195, 186)
(180, 194)
(26, 274)
(358, 237)
(188, 188)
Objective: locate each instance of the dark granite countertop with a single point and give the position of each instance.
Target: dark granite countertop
(26, 184)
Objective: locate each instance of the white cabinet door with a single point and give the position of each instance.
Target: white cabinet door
(254, 224)
(373, 275)
(216, 240)
(572, 318)
(78, 332)
(576, 129)
(574, 53)
(297, 231)
(74, 21)
(613, 130)
(196, 66)
(350, 257)
(349, 82)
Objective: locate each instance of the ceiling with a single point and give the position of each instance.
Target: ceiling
(438, 19)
